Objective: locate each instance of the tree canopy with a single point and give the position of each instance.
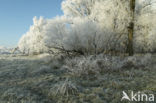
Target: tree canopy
(92, 27)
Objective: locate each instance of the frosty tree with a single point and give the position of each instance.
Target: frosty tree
(32, 41)
(131, 28)
(121, 16)
(145, 9)
(96, 26)
(145, 24)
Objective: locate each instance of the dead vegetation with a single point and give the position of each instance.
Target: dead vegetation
(91, 79)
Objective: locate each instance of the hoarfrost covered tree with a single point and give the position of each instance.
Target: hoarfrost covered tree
(84, 37)
(142, 16)
(32, 41)
(110, 14)
(95, 26)
(77, 35)
(145, 26)
(121, 16)
(113, 16)
(55, 33)
(76, 8)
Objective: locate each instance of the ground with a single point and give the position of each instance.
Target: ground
(45, 79)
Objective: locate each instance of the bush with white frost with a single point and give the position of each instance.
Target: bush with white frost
(64, 88)
(80, 35)
(93, 27)
(32, 41)
(93, 66)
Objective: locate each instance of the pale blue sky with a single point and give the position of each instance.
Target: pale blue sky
(16, 17)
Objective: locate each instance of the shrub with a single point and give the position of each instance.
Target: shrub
(64, 88)
(92, 66)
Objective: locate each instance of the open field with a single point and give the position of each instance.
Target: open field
(45, 79)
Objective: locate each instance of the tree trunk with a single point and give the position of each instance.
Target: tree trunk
(131, 29)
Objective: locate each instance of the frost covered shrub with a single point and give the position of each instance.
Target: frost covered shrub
(64, 88)
(92, 66)
(63, 35)
(137, 61)
(80, 33)
(86, 36)
(82, 67)
(43, 34)
(56, 33)
(32, 41)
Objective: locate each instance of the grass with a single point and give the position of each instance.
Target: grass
(42, 80)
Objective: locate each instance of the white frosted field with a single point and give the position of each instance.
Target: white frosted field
(48, 79)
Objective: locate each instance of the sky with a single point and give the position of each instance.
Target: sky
(16, 17)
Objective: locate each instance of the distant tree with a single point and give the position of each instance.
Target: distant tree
(32, 41)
